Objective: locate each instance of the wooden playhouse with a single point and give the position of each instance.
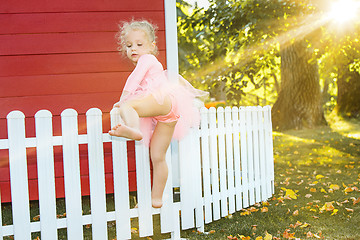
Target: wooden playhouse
(56, 55)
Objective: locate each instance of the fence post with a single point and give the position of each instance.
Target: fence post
(69, 126)
(18, 175)
(46, 176)
(96, 173)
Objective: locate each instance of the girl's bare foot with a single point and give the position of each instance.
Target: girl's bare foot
(126, 132)
(156, 203)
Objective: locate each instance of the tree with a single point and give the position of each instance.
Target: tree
(299, 101)
(343, 67)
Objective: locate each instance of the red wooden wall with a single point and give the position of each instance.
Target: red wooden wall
(62, 54)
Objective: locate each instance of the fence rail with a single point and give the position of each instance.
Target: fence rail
(222, 167)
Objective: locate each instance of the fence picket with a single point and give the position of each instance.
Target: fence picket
(236, 149)
(214, 164)
(186, 183)
(244, 157)
(166, 212)
(197, 186)
(229, 159)
(222, 162)
(121, 182)
(256, 149)
(46, 176)
(18, 175)
(96, 173)
(205, 150)
(269, 151)
(250, 152)
(262, 149)
(143, 189)
(70, 144)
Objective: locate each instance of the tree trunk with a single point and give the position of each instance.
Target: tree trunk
(348, 101)
(299, 101)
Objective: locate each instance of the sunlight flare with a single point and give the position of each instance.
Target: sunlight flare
(343, 11)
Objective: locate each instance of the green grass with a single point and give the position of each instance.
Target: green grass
(322, 166)
(323, 162)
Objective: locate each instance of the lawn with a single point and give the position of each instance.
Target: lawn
(317, 196)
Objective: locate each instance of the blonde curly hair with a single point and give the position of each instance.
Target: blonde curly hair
(148, 28)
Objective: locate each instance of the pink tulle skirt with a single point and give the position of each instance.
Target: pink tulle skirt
(182, 95)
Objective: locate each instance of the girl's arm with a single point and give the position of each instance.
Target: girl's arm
(138, 74)
(143, 65)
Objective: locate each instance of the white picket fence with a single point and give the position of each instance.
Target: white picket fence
(221, 168)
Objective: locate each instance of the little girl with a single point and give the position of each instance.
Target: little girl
(154, 109)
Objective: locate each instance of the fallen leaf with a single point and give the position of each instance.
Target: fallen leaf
(267, 236)
(242, 237)
(264, 209)
(253, 209)
(286, 234)
(349, 210)
(298, 223)
(212, 231)
(295, 213)
(312, 189)
(334, 187)
(305, 225)
(245, 213)
(334, 212)
(290, 193)
(356, 201)
(328, 206)
(308, 195)
(319, 176)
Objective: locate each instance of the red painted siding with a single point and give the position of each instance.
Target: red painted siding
(62, 54)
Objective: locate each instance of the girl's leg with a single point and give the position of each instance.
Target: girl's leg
(132, 110)
(159, 144)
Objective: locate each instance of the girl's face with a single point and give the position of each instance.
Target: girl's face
(137, 44)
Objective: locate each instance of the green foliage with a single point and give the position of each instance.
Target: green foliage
(236, 45)
(235, 42)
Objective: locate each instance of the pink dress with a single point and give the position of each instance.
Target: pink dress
(149, 77)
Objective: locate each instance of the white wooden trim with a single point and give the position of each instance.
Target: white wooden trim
(171, 38)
